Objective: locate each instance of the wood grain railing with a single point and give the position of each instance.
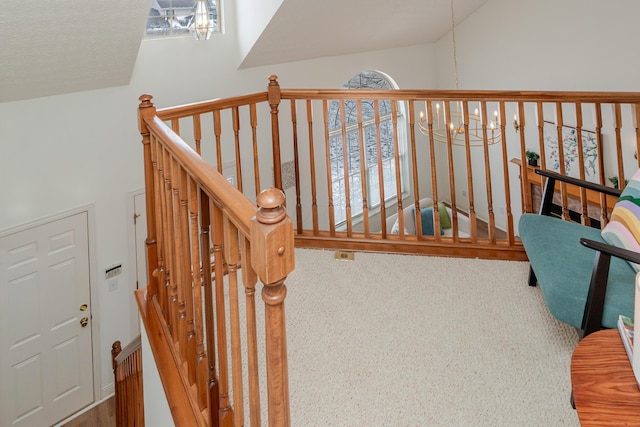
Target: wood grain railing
(127, 370)
(300, 139)
(206, 241)
(353, 166)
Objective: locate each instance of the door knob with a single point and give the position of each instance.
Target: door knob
(84, 321)
(83, 307)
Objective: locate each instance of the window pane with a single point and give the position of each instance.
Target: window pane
(173, 17)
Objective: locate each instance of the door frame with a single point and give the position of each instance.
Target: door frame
(133, 261)
(93, 291)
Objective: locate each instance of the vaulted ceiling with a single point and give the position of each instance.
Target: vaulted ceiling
(63, 46)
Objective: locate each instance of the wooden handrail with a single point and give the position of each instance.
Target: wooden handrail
(127, 371)
(204, 229)
(216, 173)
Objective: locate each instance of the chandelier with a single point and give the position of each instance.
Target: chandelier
(457, 125)
(202, 25)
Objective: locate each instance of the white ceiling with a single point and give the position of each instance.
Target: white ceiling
(306, 29)
(63, 46)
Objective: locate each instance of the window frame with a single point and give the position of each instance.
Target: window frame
(338, 191)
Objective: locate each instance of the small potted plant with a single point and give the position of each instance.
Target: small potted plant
(532, 157)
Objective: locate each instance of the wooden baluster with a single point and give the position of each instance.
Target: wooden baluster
(604, 218)
(217, 131)
(273, 93)
(226, 412)
(432, 156)
(396, 160)
(197, 262)
(312, 167)
(363, 171)
(254, 137)
(524, 176)
(487, 174)
(171, 249)
(210, 327)
(584, 219)
(414, 160)
(197, 132)
(249, 279)
(187, 276)
(296, 165)
(467, 149)
(175, 125)
(272, 255)
(164, 236)
(452, 183)
(231, 254)
(332, 216)
(543, 155)
(617, 123)
(561, 157)
(146, 111)
(505, 175)
(182, 260)
(383, 207)
(345, 169)
(236, 133)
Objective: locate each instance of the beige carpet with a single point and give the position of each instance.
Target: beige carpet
(392, 340)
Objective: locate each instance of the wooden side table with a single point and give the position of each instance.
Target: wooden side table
(605, 391)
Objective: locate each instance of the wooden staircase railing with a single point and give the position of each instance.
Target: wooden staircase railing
(287, 139)
(206, 241)
(127, 370)
(216, 177)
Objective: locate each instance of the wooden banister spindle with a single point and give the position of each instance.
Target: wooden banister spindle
(383, 207)
(312, 170)
(345, 169)
(210, 328)
(249, 279)
(604, 217)
(363, 169)
(236, 134)
(487, 174)
(396, 162)
(617, 124)
(197, 132)
(467, 150)
(561, 157)
(273, 94)
(197, 261)
(272, 256)
(583, 192)
(505, 174)
(232, 258)
(253, 117)
(296, 165)
(170, 249)
(414, 158)
(432, 157)
(327, 145)
(452, 183)
(217, 131)
(146, 111)
(183, 278)
(225, 414)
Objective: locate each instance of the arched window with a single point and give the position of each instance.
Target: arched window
(369, 172)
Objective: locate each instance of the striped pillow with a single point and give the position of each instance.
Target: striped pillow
(623, 230)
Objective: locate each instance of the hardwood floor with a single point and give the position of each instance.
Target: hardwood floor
(103, 415)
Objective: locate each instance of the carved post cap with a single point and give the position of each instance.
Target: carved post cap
(271, 206)
(145, 101)
(273, 80)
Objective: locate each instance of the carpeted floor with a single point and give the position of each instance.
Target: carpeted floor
(392, 340)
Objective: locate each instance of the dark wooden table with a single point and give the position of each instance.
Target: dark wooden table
(605, 390)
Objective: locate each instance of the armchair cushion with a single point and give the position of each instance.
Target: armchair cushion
(445, 221)
(563, 268)
(623, 230)
(426, 218)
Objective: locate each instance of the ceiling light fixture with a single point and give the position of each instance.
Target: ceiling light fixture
(202, 25)
(453, 127)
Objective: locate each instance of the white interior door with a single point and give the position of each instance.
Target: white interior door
(46, 367)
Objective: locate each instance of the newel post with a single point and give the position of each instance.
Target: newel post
(272, 257)
(273, 92)
(146, 111)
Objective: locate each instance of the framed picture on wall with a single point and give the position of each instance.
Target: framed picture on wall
(570, 148)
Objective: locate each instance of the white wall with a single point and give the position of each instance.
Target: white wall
(60, 152)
